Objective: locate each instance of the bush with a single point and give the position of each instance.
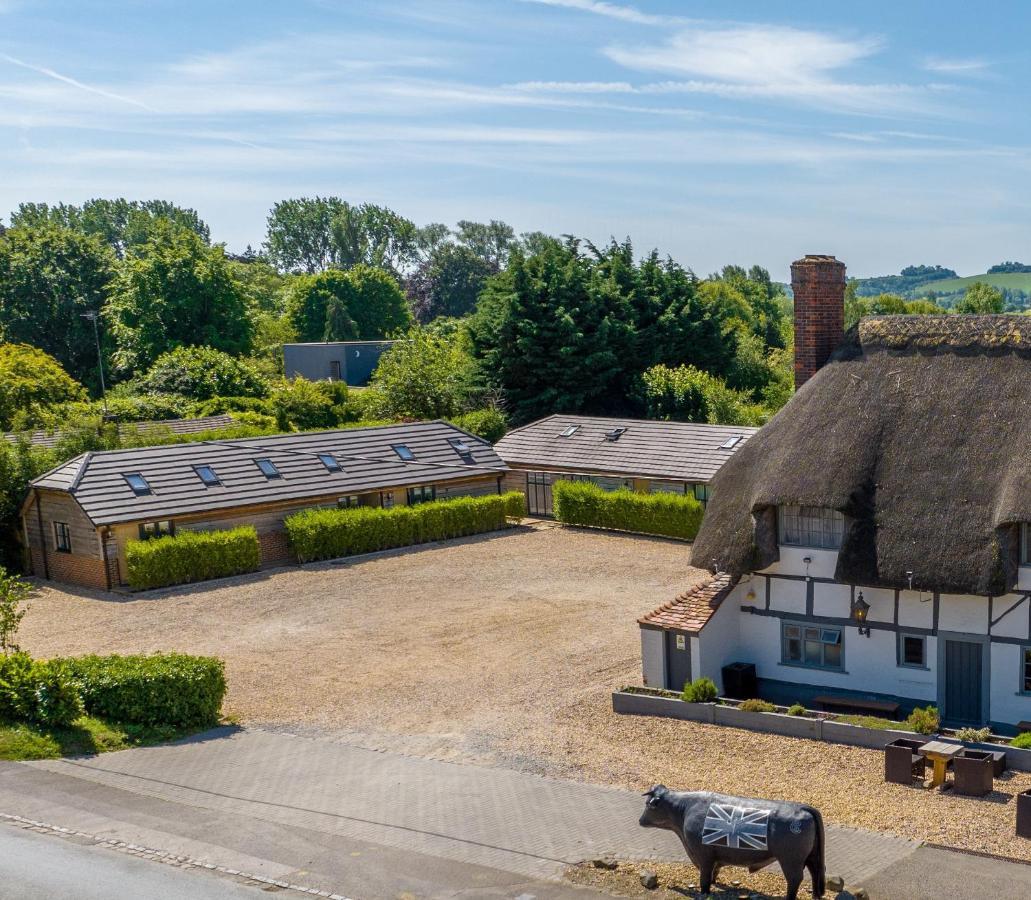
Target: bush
(201, 373)
(757, 706)
(701, 690)
(1022, 741)
(163, 689)
(796, 709)
(39, 692)
(924, 721)
(489, 424)
(583, 503)
(330, 533)
(974, 735)
(192, 556)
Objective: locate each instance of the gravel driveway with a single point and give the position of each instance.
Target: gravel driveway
(498, 649)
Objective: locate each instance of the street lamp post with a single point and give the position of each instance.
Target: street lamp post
(92, 316)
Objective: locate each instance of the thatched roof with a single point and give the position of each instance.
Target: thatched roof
(919, 430)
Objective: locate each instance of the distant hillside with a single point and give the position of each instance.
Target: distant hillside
(946, 288)
(1010, 281)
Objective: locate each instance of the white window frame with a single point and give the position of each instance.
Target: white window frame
(818, 527)
(903, 635)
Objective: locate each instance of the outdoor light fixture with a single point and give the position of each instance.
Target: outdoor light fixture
(860, 610)
(808, 560)
(750, 596)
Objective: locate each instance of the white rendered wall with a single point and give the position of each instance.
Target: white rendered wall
(788, 595)
(1024, 578)
(833, 601)
(718, 641)
(963, 613)
(824, 562)
(916, 610)
(1007, 703)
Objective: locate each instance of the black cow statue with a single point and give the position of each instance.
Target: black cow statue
(718, 830)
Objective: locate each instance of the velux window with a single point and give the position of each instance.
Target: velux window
(208, 476)
(403, 451)
(462, 448)
(811, 526)
(731, 442)
(570, 430)
(615, 434)
(331, 463)
(811, 645)
(138, 484)
(268, 468)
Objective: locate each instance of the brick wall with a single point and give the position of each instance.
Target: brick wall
(818, 283)
(72, 568)
(275, 548)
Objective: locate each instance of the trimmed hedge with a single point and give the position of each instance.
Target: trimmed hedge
(331, 533)
(36, 691)
(161, 689)
(670, 515)
(192, 556)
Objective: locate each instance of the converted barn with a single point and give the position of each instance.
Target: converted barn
(78, 518)
(639, 454)
(872, 545)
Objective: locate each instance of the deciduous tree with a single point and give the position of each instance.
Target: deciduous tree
(362, 303)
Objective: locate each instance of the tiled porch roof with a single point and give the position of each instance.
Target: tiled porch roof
(692, 609)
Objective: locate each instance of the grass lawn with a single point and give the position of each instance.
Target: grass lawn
(87, 735)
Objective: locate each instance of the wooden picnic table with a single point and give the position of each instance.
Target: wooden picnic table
(940, 754)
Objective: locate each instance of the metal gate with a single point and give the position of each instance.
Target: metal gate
(538, 494)
(963, 674)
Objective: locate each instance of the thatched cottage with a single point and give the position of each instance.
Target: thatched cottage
(872, 543)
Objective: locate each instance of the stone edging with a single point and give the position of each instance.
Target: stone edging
(792, 726)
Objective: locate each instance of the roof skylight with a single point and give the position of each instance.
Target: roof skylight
(615, 434)
(462, 448)
(570, 430)
(331, 463)
(403, 451)
(138, 484)
(268, 468)
(207, 475)
(731, 442)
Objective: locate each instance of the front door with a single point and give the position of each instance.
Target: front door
(538, 494)
(678, 660)
(963, 674)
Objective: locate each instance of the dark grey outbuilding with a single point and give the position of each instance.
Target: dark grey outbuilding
(352, 362)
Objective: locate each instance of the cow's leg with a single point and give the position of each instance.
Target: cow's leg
(793, 876)
(707, 867)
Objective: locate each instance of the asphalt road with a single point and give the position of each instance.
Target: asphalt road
(43, 867)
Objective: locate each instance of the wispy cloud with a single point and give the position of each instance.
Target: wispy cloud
(612, 11)
(956, 66)
(65, 79)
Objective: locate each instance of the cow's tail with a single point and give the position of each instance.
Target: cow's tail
(816, 861)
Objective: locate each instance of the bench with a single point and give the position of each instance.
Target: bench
(884, 708)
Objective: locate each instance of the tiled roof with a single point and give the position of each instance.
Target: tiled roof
(50, 439)
(692, 609)
(677, 451)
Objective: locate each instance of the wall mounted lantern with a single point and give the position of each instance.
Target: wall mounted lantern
(860, 610)
(808, 560)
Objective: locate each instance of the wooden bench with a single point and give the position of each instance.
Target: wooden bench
(883, 708)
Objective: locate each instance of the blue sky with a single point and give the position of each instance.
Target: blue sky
(886, 133)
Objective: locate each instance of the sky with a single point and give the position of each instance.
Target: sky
(886, 133)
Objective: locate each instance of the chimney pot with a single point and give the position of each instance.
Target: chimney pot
(818, 283)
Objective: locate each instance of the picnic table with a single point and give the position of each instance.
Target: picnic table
(940, 754)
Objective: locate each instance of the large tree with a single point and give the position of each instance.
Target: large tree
(447, 283)
(174, 291)
(30, 382)
(362, 303)
(981, 298)
(373, 236)
(299, 236)
(49, 278)
(492, 241)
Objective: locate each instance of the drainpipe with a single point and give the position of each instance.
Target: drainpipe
(105, 536)
(42, 534)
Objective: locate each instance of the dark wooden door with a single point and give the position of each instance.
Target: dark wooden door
(678, 660)
(963, 674)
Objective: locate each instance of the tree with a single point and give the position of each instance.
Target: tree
(981, 299)
(299, 233)
(173, 291)
(201, 373)
(119, 223)
(422, 377)
(448, 283)
(49, 277)
(361, 304)
(30, 381)
(306, 405)
(686, 394)
(492, 241)
(14, 591)
(373, 236)
(20, 462)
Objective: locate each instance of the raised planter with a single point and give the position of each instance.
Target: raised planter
(776, 723)
(874, 738)
(668, 707)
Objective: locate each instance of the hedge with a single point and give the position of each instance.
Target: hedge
(331, 533)
(583, 503)
(192, 556)
(161, 689)
(36, 691)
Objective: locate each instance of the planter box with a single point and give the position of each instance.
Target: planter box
(647, 705)
(874, 738)
(775, 723)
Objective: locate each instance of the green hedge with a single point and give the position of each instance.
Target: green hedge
(162, 689)
(583, 503)
(35, 691)
(192, 556)
(330, 533)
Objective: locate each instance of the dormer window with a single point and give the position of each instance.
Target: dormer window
(569, 430)
(1025, 544)
(138, 484)
(811, 526)
(268, 468)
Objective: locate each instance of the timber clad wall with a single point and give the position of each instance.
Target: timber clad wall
(85, 563)
(818, 283)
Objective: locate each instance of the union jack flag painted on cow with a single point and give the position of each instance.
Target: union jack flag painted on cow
(736, 826)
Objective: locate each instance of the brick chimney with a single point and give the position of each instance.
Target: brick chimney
(818, 283)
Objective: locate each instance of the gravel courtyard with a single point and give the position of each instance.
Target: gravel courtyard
(501, 649)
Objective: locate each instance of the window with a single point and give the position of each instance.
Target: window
(334, 370)
(386, 499)
(811, 645)
(701, 492)
(570, 430)
(164, 528)
(268, 468)
(462, 448)
(811, 526)
(731, 443)
(403, 451)
(62, 537)
(138, 483)
(1025, 670)
(422, 494)
(331, 463)
(912, 651)
(207, 475)
(1025, 544)
(615, 434)
(347, 502)
(666, 487)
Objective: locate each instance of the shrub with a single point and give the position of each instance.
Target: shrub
(330, 533)
(701, 690)
(757, 706)
(192, 556)
(162, 689)
(489, 424)
(796, 709)
(924, 721)
(14, 591)
(201, 373)
(583, 503)
(974, 735)
(40, 692)
(1022, 741)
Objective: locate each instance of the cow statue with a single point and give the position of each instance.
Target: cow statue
(718, 830)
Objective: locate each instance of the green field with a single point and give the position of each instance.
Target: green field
(1014, 281)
